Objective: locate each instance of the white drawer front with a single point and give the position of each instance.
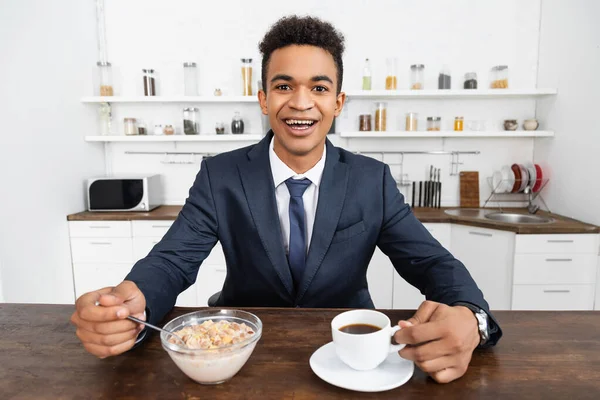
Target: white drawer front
(94, 250)
(143, 245)
(553, 297)
(216, 256)
(150, 228)
(91, 229)
(555, 268)
(441, 232)
(90, 277)
(210, 281)
(188, 298)
(583, 243)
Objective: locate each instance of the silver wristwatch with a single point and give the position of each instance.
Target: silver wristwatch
(483, 326)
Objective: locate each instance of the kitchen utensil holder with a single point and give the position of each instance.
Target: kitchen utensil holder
(527, 192)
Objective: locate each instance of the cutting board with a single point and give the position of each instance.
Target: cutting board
(469, 188)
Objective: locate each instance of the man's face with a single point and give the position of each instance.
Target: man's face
(301, 99)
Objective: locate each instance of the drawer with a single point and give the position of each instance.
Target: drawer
(150, 228)
(210, 281)
(90, 277)
(91, 229)
(143, 245)
(94, 250)
(441, 232)
(583, 243)
(553, 297)
(555, 268)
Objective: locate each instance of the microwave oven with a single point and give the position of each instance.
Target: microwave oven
(123, 193)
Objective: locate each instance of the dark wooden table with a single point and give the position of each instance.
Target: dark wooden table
(543, 355)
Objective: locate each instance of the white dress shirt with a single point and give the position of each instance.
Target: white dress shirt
(281, 172)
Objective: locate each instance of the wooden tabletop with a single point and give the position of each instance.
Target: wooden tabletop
(561, 225)
(543, 355)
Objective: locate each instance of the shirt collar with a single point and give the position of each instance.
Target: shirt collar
(281, 172)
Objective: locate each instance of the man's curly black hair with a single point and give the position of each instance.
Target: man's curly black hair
(295, 30)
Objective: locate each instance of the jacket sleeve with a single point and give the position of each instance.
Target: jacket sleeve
(172, 265)
(422, 261)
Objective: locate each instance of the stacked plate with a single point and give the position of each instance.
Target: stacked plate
(517, 177)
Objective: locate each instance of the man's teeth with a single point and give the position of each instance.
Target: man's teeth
(299, 122)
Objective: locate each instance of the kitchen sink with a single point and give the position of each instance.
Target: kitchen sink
(465, 212)
(512, 218)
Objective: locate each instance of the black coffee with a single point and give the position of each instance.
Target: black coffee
(359, 329)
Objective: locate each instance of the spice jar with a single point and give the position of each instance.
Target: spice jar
(499, 77)
(142, 128)
(191, 125)
(366, 81)
(149, 82)
(169, 130)
(458, 123)
(364, 122)
(412, 122)
(104, 78)
(237, 124)
(158, 129)
(218, 92)
(470, 80)
(434, 123)
(190, 79)
(247, 76)
(445, 79)
(417, 76)
(220, 128)
(130, 126)
(391, 79)
(380, 116)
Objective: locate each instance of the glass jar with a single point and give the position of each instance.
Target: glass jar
(412, 120)
(237, 124)
(434, 123)
(130, 126)
(499, 77)
(380, 116)
(104, 79)
(417, 76)
(391, 79)
(364, 122)
(190, 79)
(141, 127)
(444, 79)
(246, 76)
(459, 123)
(149, 82)
(220, 128)
(191, 121)
(470, 80)
(105, 111)
(158, 129)
(366, 80)
(169, 130)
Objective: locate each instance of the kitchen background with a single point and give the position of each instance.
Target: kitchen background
(51, 141)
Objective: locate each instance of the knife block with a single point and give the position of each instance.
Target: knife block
(469, 189)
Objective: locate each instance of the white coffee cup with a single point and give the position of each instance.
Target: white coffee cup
(364, 351)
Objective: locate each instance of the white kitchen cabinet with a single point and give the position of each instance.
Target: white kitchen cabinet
(380, 275)
(93, 276)
(406, 296)
(488, 255)
(597, 303)
(553, 297)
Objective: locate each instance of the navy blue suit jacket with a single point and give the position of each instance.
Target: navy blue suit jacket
(359, 207)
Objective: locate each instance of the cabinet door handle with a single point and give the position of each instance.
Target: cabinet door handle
(559, 259)
(221, 269)
(101, 243)
(560, 240)
(99, 227)
(161, 226)
(480, 233)
(557, 291)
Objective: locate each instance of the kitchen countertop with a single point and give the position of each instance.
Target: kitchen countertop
(561, 225)
(543, 355)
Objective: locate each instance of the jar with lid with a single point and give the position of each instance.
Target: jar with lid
(380, 116)
(412, 120)
(391, 79)
(149, 78)
(444, 79)
(105, 111)
(417, 76)
(141, 126)
(470, 80)
(364, 122)
(158, 129)
(169, 130)
(237, 124)
(499, 77)
(220, 128)
(247, 76)
(190, 79)
(459, 123)
(104, 79)
(130, 126)
(434, 123)
(191, 121)
(366, 80)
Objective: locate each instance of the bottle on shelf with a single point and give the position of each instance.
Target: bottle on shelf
(366, 80)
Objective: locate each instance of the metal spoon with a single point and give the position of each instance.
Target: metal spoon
(149, 325)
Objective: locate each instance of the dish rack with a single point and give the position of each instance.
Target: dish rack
(510, 197)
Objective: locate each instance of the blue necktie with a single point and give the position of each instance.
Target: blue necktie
(297, 252)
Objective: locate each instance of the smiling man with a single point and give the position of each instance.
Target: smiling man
(299, 220)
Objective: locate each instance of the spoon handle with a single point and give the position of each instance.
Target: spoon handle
(149, 325)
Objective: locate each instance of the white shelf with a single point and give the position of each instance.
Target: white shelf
(170, 99)
(446, 134)
(176, 138)
(452, 94)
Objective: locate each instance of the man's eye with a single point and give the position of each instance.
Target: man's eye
(321, 88)
(282, 87)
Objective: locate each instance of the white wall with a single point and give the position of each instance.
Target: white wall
(47, 50)
(467, 35)
(570, 60)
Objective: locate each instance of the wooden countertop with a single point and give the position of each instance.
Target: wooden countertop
(562, 224)
(543, 355)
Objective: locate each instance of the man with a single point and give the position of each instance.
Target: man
(298, 220)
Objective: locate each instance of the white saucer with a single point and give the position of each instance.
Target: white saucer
(393, 372)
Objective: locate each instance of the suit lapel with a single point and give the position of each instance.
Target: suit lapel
(332, 192)
(257, 180)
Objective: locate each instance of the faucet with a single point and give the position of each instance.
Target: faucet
(531, 208)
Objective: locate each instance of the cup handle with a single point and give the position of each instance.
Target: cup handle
(395, 347)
